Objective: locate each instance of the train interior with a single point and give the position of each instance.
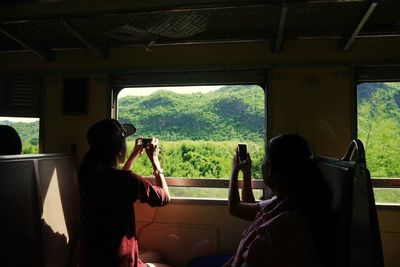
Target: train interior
(68, 62)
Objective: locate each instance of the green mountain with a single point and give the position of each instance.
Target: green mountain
(230, 113)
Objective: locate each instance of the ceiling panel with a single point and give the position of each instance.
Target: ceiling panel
(327, 19)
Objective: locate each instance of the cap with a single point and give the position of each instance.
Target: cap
(108, 130)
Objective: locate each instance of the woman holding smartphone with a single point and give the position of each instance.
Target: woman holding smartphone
(293, 228)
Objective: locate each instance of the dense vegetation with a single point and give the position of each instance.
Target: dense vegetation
(230, 113)
(200, 131)
(379, 127)
(200, 159)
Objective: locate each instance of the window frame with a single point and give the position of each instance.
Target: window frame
(257, 76)
(376, 74)
(27, 85)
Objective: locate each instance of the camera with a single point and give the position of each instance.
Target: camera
(242, 151)
(146, 141)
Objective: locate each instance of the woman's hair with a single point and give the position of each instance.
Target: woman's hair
(107, 143)
(291, 158)
(106, 139)
(10, 142)
(110, 149)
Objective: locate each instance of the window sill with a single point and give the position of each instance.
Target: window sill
(388, 206)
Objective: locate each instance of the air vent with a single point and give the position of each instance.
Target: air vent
(19, 96)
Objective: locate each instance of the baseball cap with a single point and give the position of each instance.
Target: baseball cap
(105, 131)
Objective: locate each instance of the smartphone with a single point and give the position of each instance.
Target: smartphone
(146, 141)
(242, 150)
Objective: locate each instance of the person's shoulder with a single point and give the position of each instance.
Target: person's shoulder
(126, 174)
(129, 175)
(287, 218)
(285, 225)
(268, 203)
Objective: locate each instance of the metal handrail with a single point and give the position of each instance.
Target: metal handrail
(204, 182)
(385, 182)
(256, 184)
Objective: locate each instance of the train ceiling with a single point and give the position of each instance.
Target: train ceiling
(45, 26)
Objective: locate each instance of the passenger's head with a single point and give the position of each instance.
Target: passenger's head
(10, 142)
(287, 163)
(107, 139)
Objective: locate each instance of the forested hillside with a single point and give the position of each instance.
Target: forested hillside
(230, 113)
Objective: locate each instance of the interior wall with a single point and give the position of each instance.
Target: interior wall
(303, 53)
(66, 133)
(315, 103)
(229, 228)
(389, 225)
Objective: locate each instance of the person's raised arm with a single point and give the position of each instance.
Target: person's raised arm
(137, 150)
(247, 189)
(152, 151)
(246, 211)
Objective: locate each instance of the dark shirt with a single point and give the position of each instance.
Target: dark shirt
(108, 234)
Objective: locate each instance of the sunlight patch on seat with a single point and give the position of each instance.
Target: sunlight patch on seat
(53, 213)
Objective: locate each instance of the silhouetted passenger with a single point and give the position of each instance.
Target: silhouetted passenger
(108, 234)
(294, 228)
(10, 142)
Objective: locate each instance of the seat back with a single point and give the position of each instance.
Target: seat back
(20, 243)
(358, 239)
(39, 210)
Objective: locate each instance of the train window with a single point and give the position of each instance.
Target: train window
(28, 130)
(199, 128)
(379, 128)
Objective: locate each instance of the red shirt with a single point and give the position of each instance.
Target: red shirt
(279, 237)
(108, 234)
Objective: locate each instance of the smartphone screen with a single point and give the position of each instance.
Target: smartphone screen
(242, 149)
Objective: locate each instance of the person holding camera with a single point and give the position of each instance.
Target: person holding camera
(108, 234)
(294, 227)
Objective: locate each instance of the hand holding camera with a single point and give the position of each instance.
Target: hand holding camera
(146, 142)
(140, 145)
(241, 159)
(152, 150)
(151, 146)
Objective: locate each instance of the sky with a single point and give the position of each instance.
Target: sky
(142, 91)
(18, 119)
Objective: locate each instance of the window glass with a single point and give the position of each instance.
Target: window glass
(199, 128)
(379, 129)
(28, 130)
